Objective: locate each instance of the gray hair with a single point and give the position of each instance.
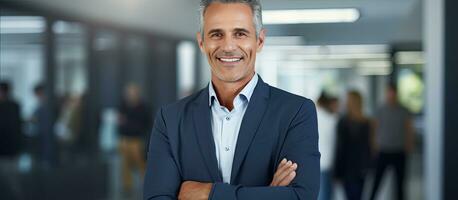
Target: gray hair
(255, 6)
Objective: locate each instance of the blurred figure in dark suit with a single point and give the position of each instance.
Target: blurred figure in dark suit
(353, 147)
(10, 144)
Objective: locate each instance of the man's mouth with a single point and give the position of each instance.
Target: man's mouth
(230, 60)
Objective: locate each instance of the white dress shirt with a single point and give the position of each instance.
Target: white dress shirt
(226, 125)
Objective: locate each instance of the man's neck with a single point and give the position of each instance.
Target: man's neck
(227, 91)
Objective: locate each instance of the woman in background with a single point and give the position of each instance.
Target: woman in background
(353, 147)
(327, 123)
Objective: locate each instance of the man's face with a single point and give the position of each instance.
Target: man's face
(229, 41)
(132, 94)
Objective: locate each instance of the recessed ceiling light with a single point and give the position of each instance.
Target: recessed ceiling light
(307, 16)
(22, 24)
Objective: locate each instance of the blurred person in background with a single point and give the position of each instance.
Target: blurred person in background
(333, 105)
(10, 144)
(134, 123)
(43, 129)
(353, 147)
(327, 122)
(68, 127)
(394, 140)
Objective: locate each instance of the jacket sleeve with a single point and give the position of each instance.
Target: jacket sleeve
(162, 177)
(300, 146)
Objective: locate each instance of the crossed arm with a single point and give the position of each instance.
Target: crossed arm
(193, 190)
(294, 179)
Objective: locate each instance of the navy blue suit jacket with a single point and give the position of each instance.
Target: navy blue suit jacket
(276, 125)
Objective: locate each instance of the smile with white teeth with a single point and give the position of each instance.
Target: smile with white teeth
(230, 59)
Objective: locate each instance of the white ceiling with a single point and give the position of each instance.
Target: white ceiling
(382, 21)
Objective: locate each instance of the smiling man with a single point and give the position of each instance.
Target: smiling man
(238, 138)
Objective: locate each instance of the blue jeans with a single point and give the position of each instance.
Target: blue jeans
(325, 185)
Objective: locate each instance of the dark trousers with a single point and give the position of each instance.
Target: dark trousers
(354, 188)
(396, 160)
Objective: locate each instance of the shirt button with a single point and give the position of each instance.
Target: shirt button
(228, 118)
(227, 148)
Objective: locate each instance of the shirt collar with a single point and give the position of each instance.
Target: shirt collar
(246, 92)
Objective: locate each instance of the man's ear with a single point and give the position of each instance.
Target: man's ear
(261, 39)
(199, 41)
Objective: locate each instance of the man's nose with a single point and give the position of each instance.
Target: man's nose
(229, 44)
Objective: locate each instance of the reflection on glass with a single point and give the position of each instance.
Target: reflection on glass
(107, 60)
(70, 84)
(22, 68)
(135, 65)
(21, 57)
(71, 74)
(186, 68)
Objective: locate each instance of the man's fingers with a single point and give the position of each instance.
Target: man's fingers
(281, 167)
(286, 172)
(282, 172)
(287, 180)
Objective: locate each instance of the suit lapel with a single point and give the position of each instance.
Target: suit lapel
(201, 115)
(250, 123)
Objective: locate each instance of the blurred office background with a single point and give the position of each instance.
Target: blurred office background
(73, 66)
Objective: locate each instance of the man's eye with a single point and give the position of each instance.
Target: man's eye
(240, 34)
(216, 35)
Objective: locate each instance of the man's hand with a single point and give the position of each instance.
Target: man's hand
(194, 190)
(286, 171)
